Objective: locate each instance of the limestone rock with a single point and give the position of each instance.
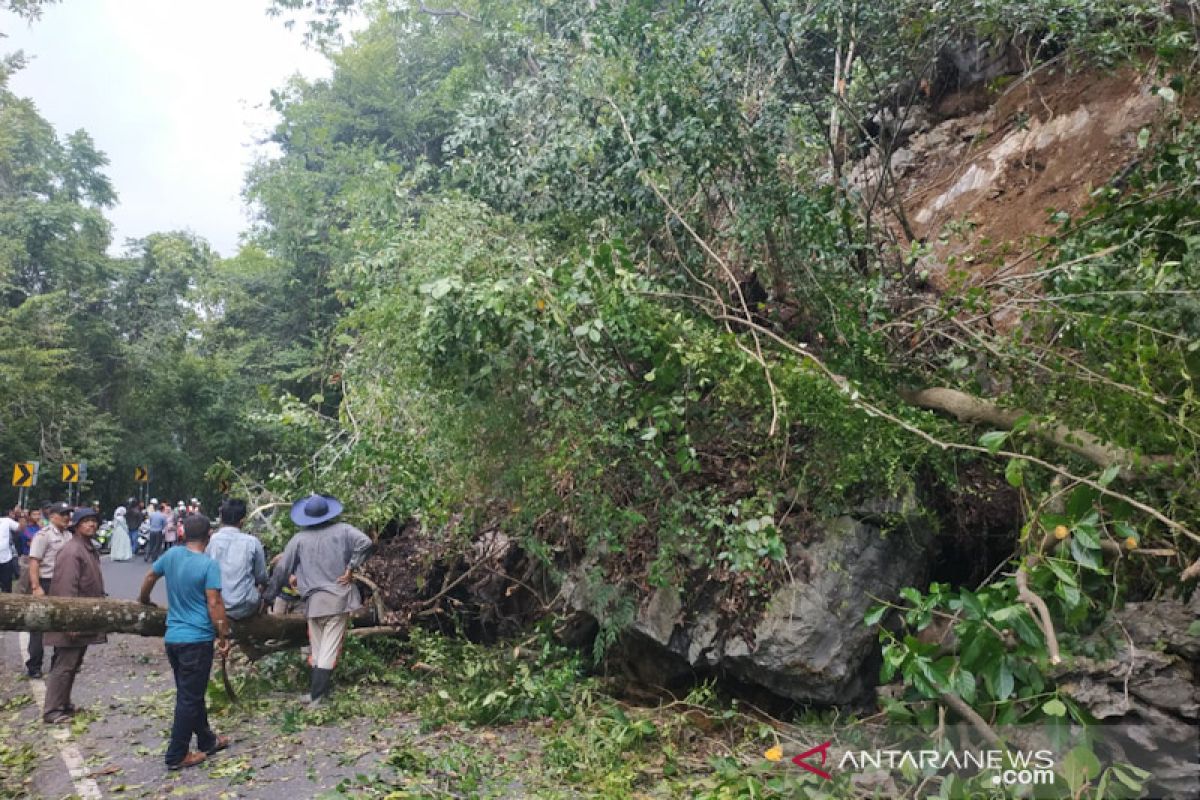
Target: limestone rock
(810, 644)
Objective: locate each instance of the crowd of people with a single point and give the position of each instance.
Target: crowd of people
(216, 576)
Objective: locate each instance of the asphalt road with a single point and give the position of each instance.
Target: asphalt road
(126, 688)
(123, 579)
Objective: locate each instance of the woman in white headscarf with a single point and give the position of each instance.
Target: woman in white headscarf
(120, 550)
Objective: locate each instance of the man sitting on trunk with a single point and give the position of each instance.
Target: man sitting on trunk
(242, 561)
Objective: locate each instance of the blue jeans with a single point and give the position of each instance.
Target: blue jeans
(191, 663)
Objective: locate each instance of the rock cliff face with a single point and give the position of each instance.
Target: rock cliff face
(810, 644)
(1148, 694)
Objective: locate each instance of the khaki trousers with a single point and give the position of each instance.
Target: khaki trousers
(325, 636)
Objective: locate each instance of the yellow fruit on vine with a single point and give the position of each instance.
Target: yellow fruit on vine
(774, 754)
(1130, 543)
(1061, 531)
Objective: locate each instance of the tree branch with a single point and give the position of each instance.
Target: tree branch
(445, 12)
(970, 715)
(968, 408)
(1032, 601)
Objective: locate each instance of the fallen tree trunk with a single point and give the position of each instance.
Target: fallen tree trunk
(105, 615)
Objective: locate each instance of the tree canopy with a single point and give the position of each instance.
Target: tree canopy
(607, 276)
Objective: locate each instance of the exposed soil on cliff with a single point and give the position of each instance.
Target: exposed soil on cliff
(982, 189)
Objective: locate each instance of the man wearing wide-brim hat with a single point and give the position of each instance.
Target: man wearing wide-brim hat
(76, 574)
(322, 557)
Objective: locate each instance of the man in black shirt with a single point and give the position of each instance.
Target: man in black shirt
(134, 516)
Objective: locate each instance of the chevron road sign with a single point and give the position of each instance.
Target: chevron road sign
(70, 473)
(25, 474)
(141, 475)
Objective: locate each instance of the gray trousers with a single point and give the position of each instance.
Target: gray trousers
(67, 661)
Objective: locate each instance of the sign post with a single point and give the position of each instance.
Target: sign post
(141, 476)
(70, 476)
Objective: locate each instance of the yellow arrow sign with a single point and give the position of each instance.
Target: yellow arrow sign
(141, 475)
(23, 473)
(70, 473)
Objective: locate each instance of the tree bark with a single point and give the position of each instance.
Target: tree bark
(103, 615)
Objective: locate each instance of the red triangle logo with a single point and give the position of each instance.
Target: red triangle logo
(823, 749)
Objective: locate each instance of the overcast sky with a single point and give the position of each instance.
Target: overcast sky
(175, 92)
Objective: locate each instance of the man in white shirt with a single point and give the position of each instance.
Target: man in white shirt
(10, 529)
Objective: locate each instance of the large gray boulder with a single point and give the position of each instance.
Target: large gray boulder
(810, 644)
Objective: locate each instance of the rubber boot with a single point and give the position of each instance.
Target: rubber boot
(319, 685)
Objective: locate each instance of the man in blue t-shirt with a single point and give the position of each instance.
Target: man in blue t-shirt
(195, 613)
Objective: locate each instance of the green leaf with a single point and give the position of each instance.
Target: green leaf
(1079, 766)
(1109, 475)
(1029, 632)
(1131, 776)
(1061, 573)
(964, 685)
(1004, 681)
(1081, 502)
(911, 595)
(1014, 472)
(1087, 535)
(993, 440)
(1194, 628)
(1069, 594)
(1085, 556)
(1126, 531)
(1001, 679)
(874, 615)
(971, 604)
(1007, 613)
(1054, 708)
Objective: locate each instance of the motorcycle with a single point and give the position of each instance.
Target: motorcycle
(103, 537)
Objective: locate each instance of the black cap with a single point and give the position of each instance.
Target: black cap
(59, 508)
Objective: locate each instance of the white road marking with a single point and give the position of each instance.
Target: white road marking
(87, 788)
